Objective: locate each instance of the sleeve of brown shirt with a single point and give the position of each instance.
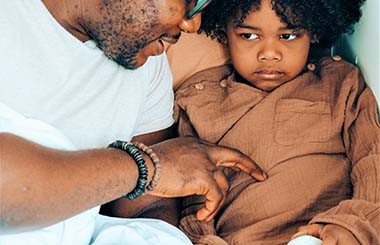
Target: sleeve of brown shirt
(361, 135)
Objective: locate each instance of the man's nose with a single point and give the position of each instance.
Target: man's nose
(190, 25)
(269, 52)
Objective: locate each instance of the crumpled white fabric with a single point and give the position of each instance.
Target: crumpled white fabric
(305, 240)
(88, 227)
(110, 230)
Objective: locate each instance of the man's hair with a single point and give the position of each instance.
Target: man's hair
(324, 20)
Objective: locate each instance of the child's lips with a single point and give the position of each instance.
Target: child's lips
(268, 74)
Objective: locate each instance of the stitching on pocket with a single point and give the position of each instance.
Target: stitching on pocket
(302, 121)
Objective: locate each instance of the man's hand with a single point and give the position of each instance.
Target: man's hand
(190, 166)
(329, 234)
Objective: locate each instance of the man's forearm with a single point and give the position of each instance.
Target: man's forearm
(41, 186)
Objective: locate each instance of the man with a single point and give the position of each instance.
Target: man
(69, 64)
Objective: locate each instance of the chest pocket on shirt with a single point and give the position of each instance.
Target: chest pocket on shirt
(301, 121)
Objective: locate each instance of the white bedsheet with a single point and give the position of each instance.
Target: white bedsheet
(88, 227)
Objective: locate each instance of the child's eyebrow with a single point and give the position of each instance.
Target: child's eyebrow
(285, 28)
(242, 25)
(255, 28)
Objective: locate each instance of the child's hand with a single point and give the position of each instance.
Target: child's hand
(330, 234)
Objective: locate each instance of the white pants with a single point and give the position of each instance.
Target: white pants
(305, 240)
(136, 231)
(86, 228)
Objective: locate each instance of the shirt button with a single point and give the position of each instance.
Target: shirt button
(199, 86)
(311, 67)
(336, 57)
(223, 84)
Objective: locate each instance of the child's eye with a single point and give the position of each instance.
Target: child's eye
(249, 36)
(289, 36)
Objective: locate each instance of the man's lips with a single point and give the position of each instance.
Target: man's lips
(157, 47)
(170, 39)
(160, 47)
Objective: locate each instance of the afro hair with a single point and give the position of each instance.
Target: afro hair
(324, 20)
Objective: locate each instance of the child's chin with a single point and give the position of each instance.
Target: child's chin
(268, 86)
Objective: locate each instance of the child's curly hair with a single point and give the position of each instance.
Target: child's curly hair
(324, 20)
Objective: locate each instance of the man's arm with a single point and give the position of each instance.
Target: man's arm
(40, 186)
(147, 206)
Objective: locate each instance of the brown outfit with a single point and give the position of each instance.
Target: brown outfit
(317, 138)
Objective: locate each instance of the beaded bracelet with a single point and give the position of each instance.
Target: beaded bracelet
(156, 164)
(143, 171)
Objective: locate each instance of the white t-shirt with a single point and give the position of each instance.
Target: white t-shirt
(49, 75)
(87, 227)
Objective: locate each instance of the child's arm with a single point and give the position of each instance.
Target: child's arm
(361, 135)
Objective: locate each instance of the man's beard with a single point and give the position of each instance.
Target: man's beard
(128, 62)
(126, 59)
(122, 53)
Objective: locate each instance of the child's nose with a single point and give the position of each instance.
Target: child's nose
(269, 52)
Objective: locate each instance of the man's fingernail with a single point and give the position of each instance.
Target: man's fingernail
(261, 176)
(265, 176)
(200, 217)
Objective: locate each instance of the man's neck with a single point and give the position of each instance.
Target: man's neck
(68, 15)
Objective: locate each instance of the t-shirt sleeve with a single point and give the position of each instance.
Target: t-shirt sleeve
(156, 112)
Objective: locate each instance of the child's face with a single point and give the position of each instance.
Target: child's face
(264, 52)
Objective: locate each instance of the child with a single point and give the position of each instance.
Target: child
(310, 123)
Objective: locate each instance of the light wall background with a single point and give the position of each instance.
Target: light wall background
(362, 47)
